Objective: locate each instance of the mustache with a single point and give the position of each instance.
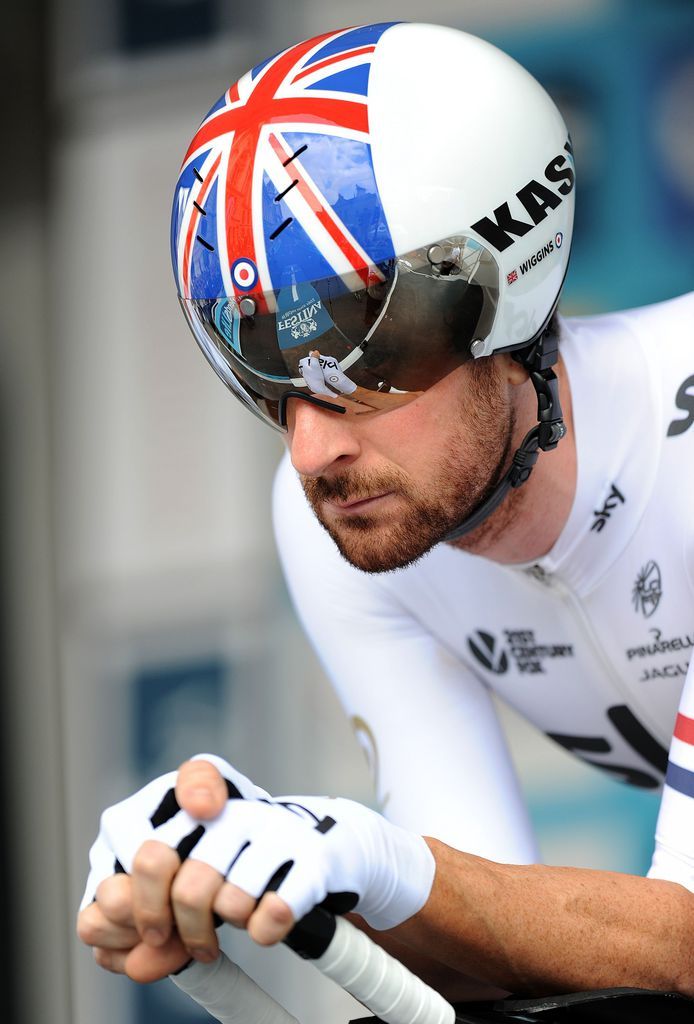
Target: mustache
(354, 486)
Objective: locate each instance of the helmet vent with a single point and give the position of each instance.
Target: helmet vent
(206, 244)
(298, 152)
(197, 174)
(280, 229)
(199, 208)
(281, 195)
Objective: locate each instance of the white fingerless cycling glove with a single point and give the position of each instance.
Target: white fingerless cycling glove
(310, 850)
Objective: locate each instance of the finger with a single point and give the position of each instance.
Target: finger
(149, 963)
(114, 896)
(271, 921)
(101, 866)
(95, 929)
(234, 905)
(111, 959)
(192, 895)
(154, 868)
(201, 790)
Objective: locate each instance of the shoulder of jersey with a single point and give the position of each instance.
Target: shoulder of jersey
(672, 319)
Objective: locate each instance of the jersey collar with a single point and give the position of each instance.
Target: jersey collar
(616, 411)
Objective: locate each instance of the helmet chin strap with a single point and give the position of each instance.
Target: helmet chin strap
(538, 359)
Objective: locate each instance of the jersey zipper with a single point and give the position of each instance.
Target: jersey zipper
(575, 607)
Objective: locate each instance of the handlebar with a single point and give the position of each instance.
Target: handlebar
(341, 952)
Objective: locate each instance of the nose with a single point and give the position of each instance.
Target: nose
(319, 439)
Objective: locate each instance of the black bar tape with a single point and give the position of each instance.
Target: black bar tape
(311, 936)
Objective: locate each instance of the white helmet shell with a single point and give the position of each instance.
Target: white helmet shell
(466, 140)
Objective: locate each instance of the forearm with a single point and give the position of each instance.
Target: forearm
(536, 929)
(449, 981)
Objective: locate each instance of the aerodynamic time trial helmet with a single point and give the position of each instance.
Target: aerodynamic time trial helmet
(365, 211)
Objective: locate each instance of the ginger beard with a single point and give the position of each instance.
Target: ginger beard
(460, 475)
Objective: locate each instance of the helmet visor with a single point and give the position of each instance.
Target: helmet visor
(367, 342)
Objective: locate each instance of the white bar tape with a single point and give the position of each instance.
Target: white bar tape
(226, 992)
(379, 981)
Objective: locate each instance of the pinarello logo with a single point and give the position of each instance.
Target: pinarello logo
(559, 239)
(488, 651)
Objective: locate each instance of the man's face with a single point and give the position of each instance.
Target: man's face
(388, 486)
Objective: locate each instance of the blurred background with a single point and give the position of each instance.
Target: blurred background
(144, 616)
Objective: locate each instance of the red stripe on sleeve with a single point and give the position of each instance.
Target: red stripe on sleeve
(684, 729)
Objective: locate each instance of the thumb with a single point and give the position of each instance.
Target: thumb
(150, 963)
(201, 790)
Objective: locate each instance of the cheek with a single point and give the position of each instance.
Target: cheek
(433, 418)
(412, 437)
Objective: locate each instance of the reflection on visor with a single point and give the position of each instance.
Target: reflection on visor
(325, 376)
(361, 349)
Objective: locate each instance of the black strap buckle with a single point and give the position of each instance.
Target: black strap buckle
(538, 360)
(551, 427)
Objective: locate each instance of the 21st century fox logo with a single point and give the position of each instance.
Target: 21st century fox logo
(488, 651)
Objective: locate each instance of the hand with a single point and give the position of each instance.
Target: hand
(263, 864)
(108, 924)
(311, 850)
(118, 921)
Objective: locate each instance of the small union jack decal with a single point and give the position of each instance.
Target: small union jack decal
(513, 276)
(257, 202)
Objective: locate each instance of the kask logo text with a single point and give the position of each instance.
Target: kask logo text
(535, 197)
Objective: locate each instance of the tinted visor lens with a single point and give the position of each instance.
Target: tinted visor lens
(364, 344)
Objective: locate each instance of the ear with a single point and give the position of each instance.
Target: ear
(512, 371)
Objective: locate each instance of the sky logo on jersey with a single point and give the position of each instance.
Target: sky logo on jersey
(614, 498)
(684, 400)
(257, 206)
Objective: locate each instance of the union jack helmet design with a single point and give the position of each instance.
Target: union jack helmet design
(350, 214)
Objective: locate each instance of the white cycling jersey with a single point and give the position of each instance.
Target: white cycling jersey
(592, 643)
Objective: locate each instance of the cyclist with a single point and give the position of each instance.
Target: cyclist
(371, 232)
